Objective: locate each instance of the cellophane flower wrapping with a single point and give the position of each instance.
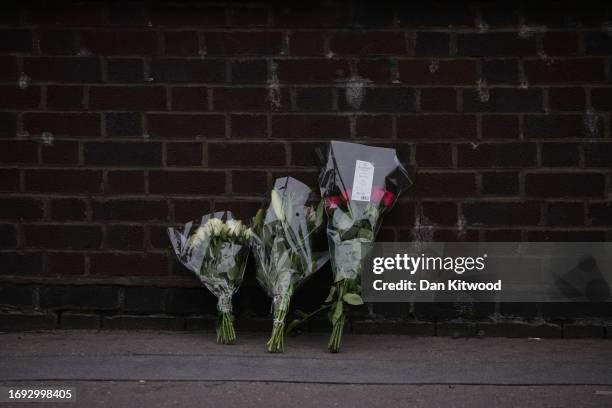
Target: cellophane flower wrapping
(216, 251)
(359, 185)
(282, 242)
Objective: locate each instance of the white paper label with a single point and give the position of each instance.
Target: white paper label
(362, 183)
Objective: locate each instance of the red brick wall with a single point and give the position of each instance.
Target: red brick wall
(117, 121)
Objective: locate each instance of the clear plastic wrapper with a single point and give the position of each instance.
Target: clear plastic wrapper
(359, 185)
(216, 251)
(283, 233)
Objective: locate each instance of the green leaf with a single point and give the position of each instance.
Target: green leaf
(338, 309)
(365, 234)
(353, 299)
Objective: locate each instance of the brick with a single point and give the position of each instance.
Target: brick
(600, 213)
(565, 185)
(165, 125)
(125, 237)
(560, 154)
(20, 208)
(378, 70)
(181, 43)
(443, 72)
(11, 15)
(60, 152)
(124, 154)
(187, 182)
(502, 100)
(68, 209)
(187, 210)
(440, 213)
(243, 43)
(190, 99)
(144, 299)
(435, 15)
(24, 321)
(123, 124)
(63, 236)
(311, 16)
(62, 124)
(124, 182)
(232, 154)
(119, 42)
(126, 98)
(73, 320)
(438, 99)
(379, 100)
(437, 127)
(129, 210)
(127, 14)
(575, 70)
(63, 69)
(564, 213)
(559, 126)
(158, 238)
(566, 236)
(497, 155)
(248, 126)
(502, 235)
(16, 295)
(566, 99)
(8, 124)
(597, 154)
(115, 264)
(14, 40)
(432, 44)
(9, 179)
(57, 42)
(313, 99)
(434, 155)
(500, 71)
(373, 15)
(373, 126)
(304, 154)
(184, 154)
(240, 209)
(368, 43)
(8, 238)
(249, 71)
(65, 97)
(495, 45)
(597, 43)
(8, 68)
(601, 99)
(65, 264)
(444, 185)
(188, 14)
(18, 151)
(500, 183)
(310, 126)
(67, 15)
(306, 43)
(498, 213)
(187, 70)
(249, 182)
(88, 297)
(241, 99)
(560, 43)
(14, 97)
(125, 70)
(402, 214)
(63, 181)
(311, 70)
(20, 264)
(249, 16)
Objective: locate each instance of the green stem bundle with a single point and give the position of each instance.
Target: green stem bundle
(276, 343)
(225, 328)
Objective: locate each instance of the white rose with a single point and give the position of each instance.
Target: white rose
(216, 226)
(234, 227)
(247, 233)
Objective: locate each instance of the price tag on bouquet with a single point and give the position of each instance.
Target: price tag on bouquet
(362, 182)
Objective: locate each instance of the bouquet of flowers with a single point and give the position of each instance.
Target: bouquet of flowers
(282, 243)
(359, 185)
(216, 252)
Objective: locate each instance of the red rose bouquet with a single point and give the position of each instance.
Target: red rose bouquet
(359, 184)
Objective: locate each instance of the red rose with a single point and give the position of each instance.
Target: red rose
(378, 194)
(333, 201)
(388, 199)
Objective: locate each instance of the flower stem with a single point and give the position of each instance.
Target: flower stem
(225, 328)
(276, 343)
